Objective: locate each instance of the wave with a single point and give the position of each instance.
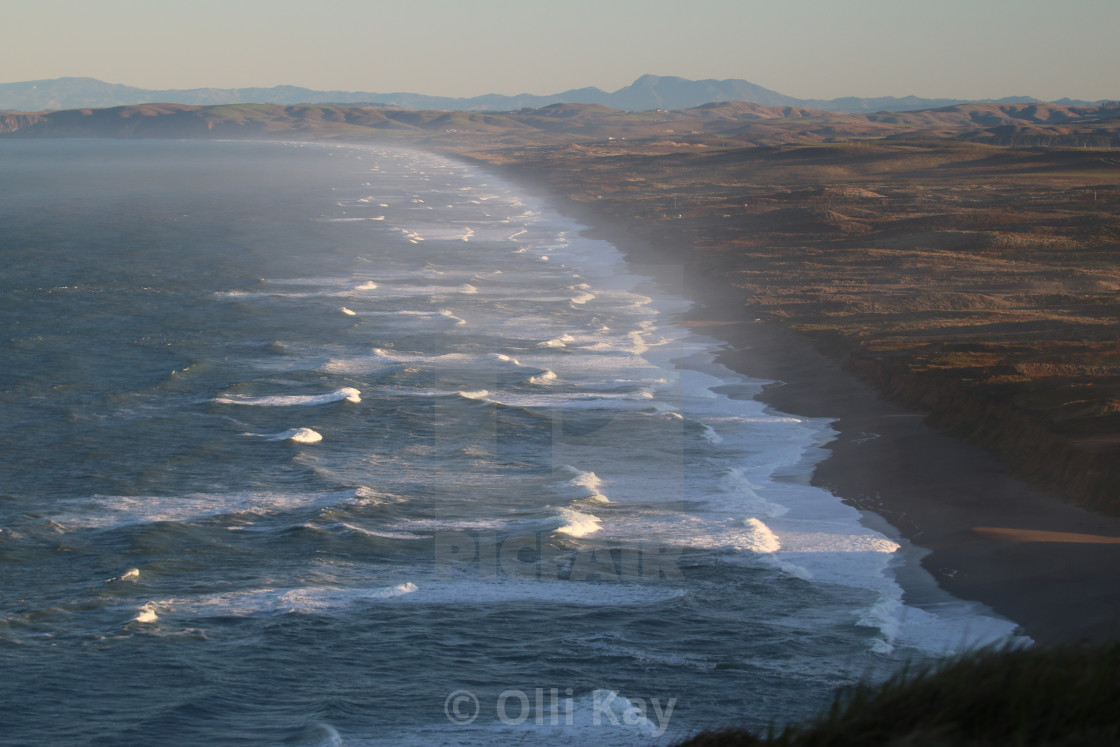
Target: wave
(412, 236)
(436, 232)
(740, 493)
(146, 614)
(308, 599)
(544, 378)
(132, 575)
(112, 512)
(347, 394)
(709, 434)
(587, 484)
(297, 435)
(759, 538)
(577, 523)
(448, 314)
(381, 359)
(556, 342)
(324, 599)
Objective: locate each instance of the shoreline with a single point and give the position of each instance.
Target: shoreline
(982, 534)
(968, 523)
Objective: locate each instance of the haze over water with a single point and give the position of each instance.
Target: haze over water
(323, 445)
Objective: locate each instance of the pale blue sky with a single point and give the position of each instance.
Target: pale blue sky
(805, 48)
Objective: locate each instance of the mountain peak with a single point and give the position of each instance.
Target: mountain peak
(646, 92)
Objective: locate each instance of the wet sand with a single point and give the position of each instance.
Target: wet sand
(1049, 566)
(983, 534)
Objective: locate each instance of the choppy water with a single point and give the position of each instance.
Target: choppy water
(325, 445)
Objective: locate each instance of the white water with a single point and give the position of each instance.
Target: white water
(388, 452)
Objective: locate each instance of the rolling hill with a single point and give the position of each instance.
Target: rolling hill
(646, 93)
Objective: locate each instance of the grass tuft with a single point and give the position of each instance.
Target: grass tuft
(1060, 697)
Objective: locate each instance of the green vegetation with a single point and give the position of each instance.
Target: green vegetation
(997, 698)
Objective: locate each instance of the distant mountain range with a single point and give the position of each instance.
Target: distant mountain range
(646, 93)
(732, 124)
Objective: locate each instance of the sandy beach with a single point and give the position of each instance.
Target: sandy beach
(1047, 565)
(983, 534)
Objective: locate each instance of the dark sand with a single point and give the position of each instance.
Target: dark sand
(984, 535)
(1049, 566)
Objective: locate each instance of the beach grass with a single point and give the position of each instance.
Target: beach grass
(1068, 695)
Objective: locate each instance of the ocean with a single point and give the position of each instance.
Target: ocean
(314, 444)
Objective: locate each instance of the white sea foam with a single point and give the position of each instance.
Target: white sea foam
(722, 479)
(448, 314)
(297, 435)
(381, 533)
(742, 487)
(324, 599)
(349, 219)
(577, 523)
(759, 537)
(108, 512)
(739, 494)
(382, 359)
(307, 599)
(544, 378)
(709, 434)
(417, 232)
(347, 394)
(556, 342)
(749, 537)
(146, 614)
(586, 484)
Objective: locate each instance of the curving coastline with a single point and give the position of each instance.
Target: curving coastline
(990, 535)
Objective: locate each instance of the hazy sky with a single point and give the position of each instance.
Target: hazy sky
(805, 48)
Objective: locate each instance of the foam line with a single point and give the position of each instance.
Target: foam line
(347, 394)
